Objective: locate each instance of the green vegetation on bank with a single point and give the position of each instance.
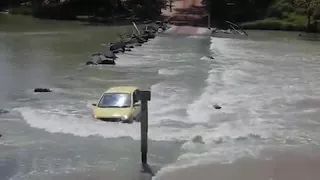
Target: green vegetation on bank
(288, 21)
(250, 14)
(292, 15)
(98, 10)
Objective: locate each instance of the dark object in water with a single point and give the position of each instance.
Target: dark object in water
(197, 139)
(107, 53)
(217, 106)
(210, 57)
(42, 90)
(129, 46)
(90, 63)
(128, 49)
(117, 45)
(3, 111)
(155, 27)
(139, 38)
(0, 135)
(107, 61)
(148, 35)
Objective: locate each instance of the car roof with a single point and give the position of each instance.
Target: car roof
(121, 89)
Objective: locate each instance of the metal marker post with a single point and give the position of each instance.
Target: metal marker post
(209, 21)
(145, 96)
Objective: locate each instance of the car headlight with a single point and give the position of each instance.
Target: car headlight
(123, 118)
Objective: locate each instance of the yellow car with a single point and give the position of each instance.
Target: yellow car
(118, 104)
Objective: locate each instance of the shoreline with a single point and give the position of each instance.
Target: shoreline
(80, 21)
(83, 20)
(276, 25)
(263, 24)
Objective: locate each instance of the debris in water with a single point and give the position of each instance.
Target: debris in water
(3, 111)
(90, 63)
(198, 139)
(42, 90)
(217, 106)
(218, 141)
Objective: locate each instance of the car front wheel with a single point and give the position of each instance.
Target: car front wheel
(127, 121)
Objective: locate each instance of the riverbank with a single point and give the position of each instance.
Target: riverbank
(99, 11)
(86, 19)
(17, 25)
(295, 24)
(282, 15)
(186, 12)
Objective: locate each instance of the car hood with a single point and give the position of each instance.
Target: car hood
(111, 112)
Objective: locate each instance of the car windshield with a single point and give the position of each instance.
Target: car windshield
(115, 100)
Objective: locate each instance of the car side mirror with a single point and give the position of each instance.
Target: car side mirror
(136, 104)
(94, 104)
(135, 100)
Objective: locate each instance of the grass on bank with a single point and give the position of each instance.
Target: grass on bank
(281, 15)
(21, 10)
(292, 22)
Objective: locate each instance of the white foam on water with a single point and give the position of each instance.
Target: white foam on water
(97, 79)
(190, 160)
(171, 29)
(221, 47)
(60, 121)
(168, 72)
(202, 31)
(76, 117)
(238, 120)
(206, 58)
(146, 55)
(63, 121)
(168, 98)
(197, 37)
(201, 110)
(233, 87)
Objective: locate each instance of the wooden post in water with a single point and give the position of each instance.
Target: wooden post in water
(145, 96)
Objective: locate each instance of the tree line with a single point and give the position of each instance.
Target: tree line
(292, 11)
(69, 9)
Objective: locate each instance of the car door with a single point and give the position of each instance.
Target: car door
(136, 106)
